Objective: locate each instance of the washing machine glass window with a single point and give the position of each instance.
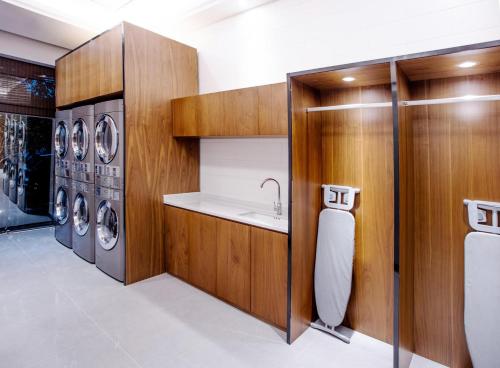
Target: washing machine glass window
(20, 182)
(61, 206)
(107, 226)
(21, 134)
(80, 139)
(12, 177)
(61, 139)
(106, 139)
(81, 215)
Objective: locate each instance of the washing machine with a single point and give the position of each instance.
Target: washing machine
(34, 164)
(82, 143)
(6, 142)
(110, 232)
(63, 126)
(109, 144)
(14, 138)
(63, 211)
(83, 220)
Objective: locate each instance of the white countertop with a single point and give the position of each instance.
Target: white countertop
(254, 214)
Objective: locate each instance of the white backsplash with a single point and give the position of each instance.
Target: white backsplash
(235, 168)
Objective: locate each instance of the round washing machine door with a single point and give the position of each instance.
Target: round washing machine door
(106, 138)
(20, 182)
(107, 226)
(21, 134)
(61, 206)
(80, 139)
(81, 215)
(12, 177)
(61, 139)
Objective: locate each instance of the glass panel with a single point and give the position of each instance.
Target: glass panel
(80, 139)
(80, 215)
(106, 139)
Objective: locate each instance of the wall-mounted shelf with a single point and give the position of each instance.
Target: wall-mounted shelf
(451, 100)
(350, 106)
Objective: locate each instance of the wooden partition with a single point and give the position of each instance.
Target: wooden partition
(347, 147)
(449, 152)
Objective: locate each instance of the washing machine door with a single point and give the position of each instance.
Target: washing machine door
(107, 225)
(21, 134)
(20, 182)
(81, 215)
(80, 139)
(12, 177)
(106, 138)
(61, 139)
(61, 206)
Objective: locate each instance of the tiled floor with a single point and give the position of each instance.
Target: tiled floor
(56, 310)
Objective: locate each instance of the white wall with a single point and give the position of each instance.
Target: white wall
(262, 45)
(28, 49)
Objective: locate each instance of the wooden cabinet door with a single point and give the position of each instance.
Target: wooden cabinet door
(178, 242)
(241, 115)
(203, 251)
(273, 109)
(233, 263)
(269, 275)
(62, 82)
(107, 62)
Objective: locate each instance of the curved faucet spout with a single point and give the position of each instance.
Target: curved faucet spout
(277, 206)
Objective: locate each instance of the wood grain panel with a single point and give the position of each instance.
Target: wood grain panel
(446, 66)
(357, 151)
(202, 251)
(233, 263)
(450, 143)
(178, 242)
(62, 80)
(157, 70)
(273, 111)
(365, 76)
(269, 270)
(305, 204)
(241, 112)
(107, 62)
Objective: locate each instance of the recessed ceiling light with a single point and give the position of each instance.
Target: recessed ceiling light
(467, 64)
(348, 79)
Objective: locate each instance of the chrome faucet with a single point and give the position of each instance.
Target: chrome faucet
(277, 206)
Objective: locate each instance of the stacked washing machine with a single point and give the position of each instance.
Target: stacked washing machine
(6, 155)
(13, 126)
(82, 184)
(109, 188)
(63, 208)
(34, 164)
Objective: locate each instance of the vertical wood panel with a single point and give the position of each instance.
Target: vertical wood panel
(269, 275)
(156, 70)
(178, 233)
(233, 263)
(357, 151)
(273, 117)
(202, 251)
(306, 204)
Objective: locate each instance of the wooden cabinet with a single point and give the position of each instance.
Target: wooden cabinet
(242, 112)
(233, 263)
(93, 70)
(269, 275)
(241, 264)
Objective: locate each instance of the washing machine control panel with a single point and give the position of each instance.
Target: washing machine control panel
(63, 167)
(83, 171)
(107, 193)
(108, 176)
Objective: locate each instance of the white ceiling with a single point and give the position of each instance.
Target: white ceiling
(68, 23)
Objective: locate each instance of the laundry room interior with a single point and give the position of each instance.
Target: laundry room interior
(258, 183)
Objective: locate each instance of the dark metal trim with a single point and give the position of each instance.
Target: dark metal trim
(290, 189)
(395, 145)
(340, 67)
(24, 227)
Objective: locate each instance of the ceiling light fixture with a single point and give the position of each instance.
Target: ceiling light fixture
(348, 79)
(467, 64)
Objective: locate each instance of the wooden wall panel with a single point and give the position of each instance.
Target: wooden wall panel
(273, 112)
(357, 151)
(306, 204)
(157, 70)
(450, 146)
(269, 253)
